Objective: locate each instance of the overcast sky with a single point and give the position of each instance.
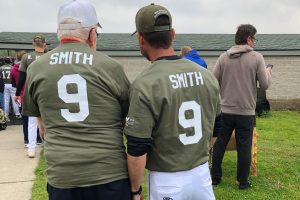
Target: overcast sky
(189, 16)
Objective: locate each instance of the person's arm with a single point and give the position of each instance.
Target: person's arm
(138, 131)
(217, 70)
(136, 168)
(41, 127)
(136, 160)
(263, 74)
(21, 82)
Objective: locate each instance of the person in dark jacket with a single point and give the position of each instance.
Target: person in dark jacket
(192, 55)
(1, 90)
(14, 75)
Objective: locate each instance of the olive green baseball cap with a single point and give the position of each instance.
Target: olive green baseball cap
(146, 17)
(39, 37)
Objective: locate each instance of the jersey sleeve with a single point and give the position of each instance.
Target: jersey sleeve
(30, 106)
(139, 121)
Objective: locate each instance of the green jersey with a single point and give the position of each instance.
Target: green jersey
(82, 96)
(6, 70)
(28, 58)
(175, 103)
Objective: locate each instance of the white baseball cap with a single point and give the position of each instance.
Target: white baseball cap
(80, 10)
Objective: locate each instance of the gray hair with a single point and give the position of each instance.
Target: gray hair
(82, 33)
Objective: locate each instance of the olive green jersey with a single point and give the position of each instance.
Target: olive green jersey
(6, 69)
(175, 103)
(82, 96)
(28, 58)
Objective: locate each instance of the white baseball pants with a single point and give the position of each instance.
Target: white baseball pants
(32, 132)
(9, 93)
(194, 184)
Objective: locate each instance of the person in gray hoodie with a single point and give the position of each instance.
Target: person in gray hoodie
(238, 71)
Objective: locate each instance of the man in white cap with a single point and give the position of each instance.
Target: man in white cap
(80, 97)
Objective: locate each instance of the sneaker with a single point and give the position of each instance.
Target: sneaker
(245, 185)
(18, 116)
(39, 142)
(31, 153)
(26, 144)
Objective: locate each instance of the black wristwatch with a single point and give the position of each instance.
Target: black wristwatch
(139, 192)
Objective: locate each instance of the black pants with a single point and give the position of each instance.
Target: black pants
(217, 126)
(25, 130)
(117, 190)
(243, 126)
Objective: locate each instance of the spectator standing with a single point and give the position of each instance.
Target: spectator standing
(173, 105)
(238, 71)
(1, 90)
(80, 97)
(192, 55)
(9, 90)
(14, 80)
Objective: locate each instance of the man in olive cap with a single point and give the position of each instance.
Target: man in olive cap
(173, 105)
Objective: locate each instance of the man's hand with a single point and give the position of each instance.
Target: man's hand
(17, 100)
(137, 197)
(136, 168)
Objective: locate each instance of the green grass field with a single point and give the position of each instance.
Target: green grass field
(278, 164)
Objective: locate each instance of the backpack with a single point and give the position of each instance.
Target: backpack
(262, 107)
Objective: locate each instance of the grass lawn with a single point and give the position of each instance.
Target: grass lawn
(278, 163)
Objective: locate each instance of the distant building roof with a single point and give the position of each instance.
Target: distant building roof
(125, 45)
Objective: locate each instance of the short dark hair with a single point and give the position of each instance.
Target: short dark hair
(39, 43)
(8, 60)
(243, 32)
(161, 39)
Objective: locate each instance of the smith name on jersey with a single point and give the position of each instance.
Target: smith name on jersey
(70, 57)
(183, 80)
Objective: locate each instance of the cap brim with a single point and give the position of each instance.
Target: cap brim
(133, 33)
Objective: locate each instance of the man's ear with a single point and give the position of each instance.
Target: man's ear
(140, 39)
(249, 40)
(93, 40)
(173, 33)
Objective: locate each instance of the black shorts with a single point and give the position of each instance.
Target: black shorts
(117, 190)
